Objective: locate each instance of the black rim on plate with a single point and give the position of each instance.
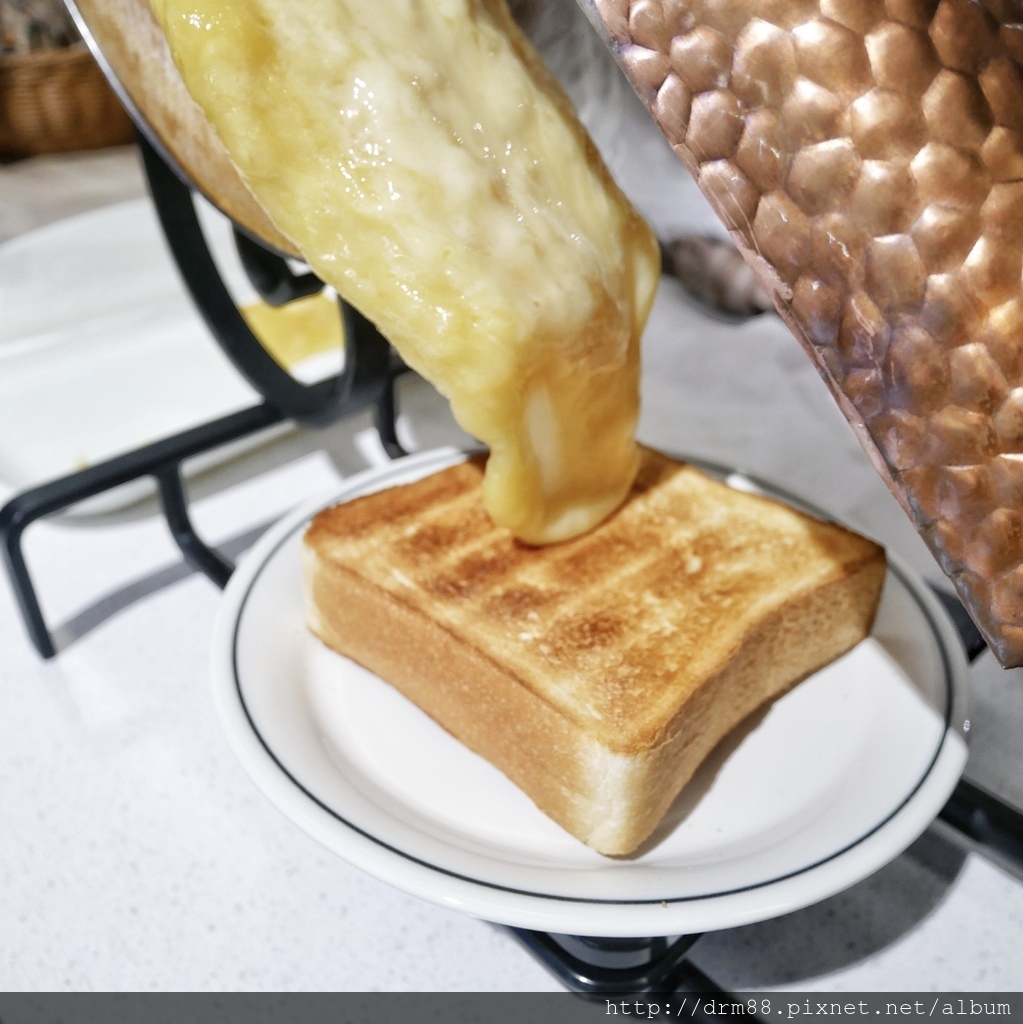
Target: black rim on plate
(398, 469)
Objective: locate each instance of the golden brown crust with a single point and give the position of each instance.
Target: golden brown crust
(134, 47)
(597, 674)
(460, 686)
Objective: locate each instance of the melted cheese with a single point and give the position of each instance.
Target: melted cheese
(427, 166)
(295, 332)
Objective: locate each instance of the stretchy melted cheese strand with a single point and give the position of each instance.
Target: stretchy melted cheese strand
(426, 165)
(867, 156)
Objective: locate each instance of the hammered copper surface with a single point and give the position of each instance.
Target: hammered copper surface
(867, 156)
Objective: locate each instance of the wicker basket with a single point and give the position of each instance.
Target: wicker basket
(54, 101)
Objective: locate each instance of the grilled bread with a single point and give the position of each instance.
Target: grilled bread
(597, 674)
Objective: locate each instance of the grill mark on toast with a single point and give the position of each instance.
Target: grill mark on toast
(644, 641)
(477, 573)
(429, 543)
(556, 617)
(595, 558)
(521, 603)
(587, 632)
(368, 514)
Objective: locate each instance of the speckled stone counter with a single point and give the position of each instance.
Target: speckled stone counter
(135, 854)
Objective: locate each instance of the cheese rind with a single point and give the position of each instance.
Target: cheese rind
(596, 674)
(427, 166)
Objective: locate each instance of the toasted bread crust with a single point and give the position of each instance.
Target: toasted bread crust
(416, 585)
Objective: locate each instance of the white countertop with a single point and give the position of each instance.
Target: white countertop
(135, 854)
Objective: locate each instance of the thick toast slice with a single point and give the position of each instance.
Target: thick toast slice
(597, 674)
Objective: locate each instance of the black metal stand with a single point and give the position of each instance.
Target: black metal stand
(161, 461)
(367, 379)
(987, 823)
(369, 362)
(606, 966)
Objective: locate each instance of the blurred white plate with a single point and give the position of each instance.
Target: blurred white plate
(101, 350)
(833, 781)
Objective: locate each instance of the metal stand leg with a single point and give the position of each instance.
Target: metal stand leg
(175, 508)
(367, 379)
(160, 460)
(607, 966)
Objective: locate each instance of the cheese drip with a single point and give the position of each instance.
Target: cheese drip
(426, 165)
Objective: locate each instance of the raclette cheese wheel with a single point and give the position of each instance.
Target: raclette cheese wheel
(425, 164)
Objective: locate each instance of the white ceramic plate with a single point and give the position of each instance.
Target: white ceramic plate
(830, 783)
